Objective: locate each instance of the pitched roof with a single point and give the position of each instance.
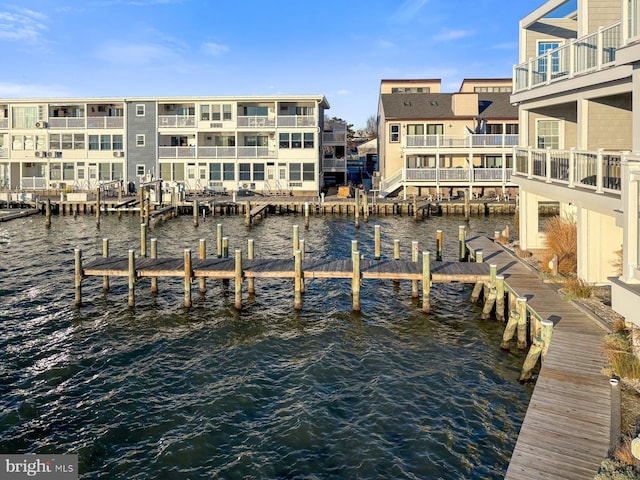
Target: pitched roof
(438, 106)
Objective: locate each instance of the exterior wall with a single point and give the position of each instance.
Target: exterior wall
(601, 13)
(387, 86)
(469, 85)
(142, 155)
(566, 113)
(547, 29)
(610, 124)
(465, 104)
(598, 241)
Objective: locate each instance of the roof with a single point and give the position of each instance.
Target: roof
(438, 106)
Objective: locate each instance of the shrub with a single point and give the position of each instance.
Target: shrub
(561, 238)
(577, 288)
(617, 349)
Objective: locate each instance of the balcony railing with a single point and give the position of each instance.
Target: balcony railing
(176, 121)
(4, 152)
(461, 141)
(334, 137)
(599, 171)
(105, 122)
(296, 120)
(331, 163)
(256, 152)
(256, 121)
(177, 152)
(216, 152)
(589, 53)
(67, 122)
(4, 123)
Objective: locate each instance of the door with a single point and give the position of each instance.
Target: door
(93, 177)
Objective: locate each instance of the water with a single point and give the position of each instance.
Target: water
(159, 392)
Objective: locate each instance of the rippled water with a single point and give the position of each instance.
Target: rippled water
(159, 392)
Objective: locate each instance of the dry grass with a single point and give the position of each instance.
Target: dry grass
(623, 452)
(617, 349)
(617, 262)
(561, 238)
(577, 288)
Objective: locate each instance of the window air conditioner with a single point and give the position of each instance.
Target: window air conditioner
(118, 153)
(41, 154)
(51, 154)
(41, 124)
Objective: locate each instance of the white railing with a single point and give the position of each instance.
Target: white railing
(388, 185)
(177, 152)
(105, 122)
(461, 141)
(4, 123)
(216, 152)
(67, 122)
(588, 53)
(594, 170)
(176, 121)
(33, 183)
(4, 152)
(256, 121)
(296, 120)
(256, 152)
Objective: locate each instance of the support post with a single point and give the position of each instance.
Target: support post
(132, 278)
(357, 207)
(467, 206)
(510, 329)
(154, 254)
(238, 280)
(196, 210)
(247, 213)
(98, 207)
(521, 306)
(78, 277)
(219, 240)
(426, 282)
(500, 298)
(462, 234)
(546, 332)
(297, 284)
(396, 255)
(479, 256)
(306, 215)
(203, 255)
(296, 238)
(251, 288)
(105, 254)
(377, 248)
(531, 360)
(477, 290)
(439, 245)
(414, 258)
(48, 213)
(365, 206)
(616, 419)
(188, 273)
(225, 247)
(143, 239)
(355, 281)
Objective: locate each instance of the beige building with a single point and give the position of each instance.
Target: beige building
(441, 144)
(267, 144)
(576, 89)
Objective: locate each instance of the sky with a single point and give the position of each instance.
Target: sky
(341, 49)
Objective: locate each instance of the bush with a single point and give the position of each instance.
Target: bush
(611, 469)
(577, 288)
(617, 349)
(561, 238)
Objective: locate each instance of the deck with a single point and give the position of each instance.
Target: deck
(566, 430)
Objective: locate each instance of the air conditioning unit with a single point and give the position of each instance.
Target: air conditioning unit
(53, 185)
(51, 154)
(41, 154)
(118, 153)
(41, 124)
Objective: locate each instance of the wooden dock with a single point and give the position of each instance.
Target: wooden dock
(567, 428)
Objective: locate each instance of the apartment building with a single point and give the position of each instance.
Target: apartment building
(266, 144)
(441, 144)
(576, 88)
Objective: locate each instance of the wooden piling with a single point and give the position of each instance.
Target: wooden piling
(196, 211)
(546, 332)
(78, 277)
(439, 245)
(250, 255)
(132, 278)
(48, 213)
(365, 206)
(219, 240)
(357, 207)
(396, 255)
(415, 208)
(306, 215)
(202, 251)
(377, 249)
(225, 247)
(510, 329)
(238, 280)
(105, 254)
(188, 274)
(247, 213)
(467, 208)
(98, 206)
(296, 238)
(297, 284)
(462, 234)
(500, 298)
(426, 282)
(154, 254)
(414, 258)
(355, 281)
(616, 410)
(143, 239)
(479, 256)
(521, 306)
(531, 360)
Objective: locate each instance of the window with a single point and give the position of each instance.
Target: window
(117, 142)
(258, 171)
(105, 142)
(140, 170)
(116, 171)
(435, 129)
(417, 129)
(295, 172)
(511, 129)
(205, 112)
(245, 171)
(394, 133)
(548, 133)
(140, 140)
(284, 140)
(228, 171)
(140, 110)
(494, 129)
(226, 111)
(54, 171)
(544, 47)
(24, 117)
(308, 172)
(219, 112)
(94, 144)
(215, 172)
(104, 171)
(296, 140)
(256, 111)
(308, 140)
(78, 141)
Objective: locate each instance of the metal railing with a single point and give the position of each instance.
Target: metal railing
(588, 53)
(177, 152)
(176, 121)
(461, 141)
(67, 122)
(256, 152)
(105, 122)
(256, 121)
(595, 170)
(296, 120)
(216, 152)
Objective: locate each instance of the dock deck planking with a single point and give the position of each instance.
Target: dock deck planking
(565, 432)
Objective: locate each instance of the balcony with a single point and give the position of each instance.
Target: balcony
(460, 141)
(256, 121)
(334, 164)
(334, 137)
(4, 152)
(216, 152)
(63, 123)
(599, 171)
(256, 152)
(4, 123)
(176, 152)
(296, 121)
(105, 122)
(590, 53)
(176, 121)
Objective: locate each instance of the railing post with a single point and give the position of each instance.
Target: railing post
(530, 74)
(600, 171)
(572, 167)
(548, 165)
(530, 162)
(599, 47)
(547, 73)
(572, 58)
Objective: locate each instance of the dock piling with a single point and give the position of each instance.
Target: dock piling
(131, 277)
(250, 255)
(462, 234)
(377, 249)
(78, 277)
(105, 254)
(188, 273)
(414, 258)
(439, 245)
(426, 282)
(355, 281)
(297, 257)
(154, 254)
(203, 255)
(238, 280)
(521, 306)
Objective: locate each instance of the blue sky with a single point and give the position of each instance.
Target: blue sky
(338, 48)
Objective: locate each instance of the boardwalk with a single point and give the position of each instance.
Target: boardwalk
(566, 430)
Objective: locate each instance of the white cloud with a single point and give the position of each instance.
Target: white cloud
(214, 49)
(23, 25)
(408, 10)
(448, 34)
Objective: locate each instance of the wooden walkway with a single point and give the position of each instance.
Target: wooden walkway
(566, 430)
